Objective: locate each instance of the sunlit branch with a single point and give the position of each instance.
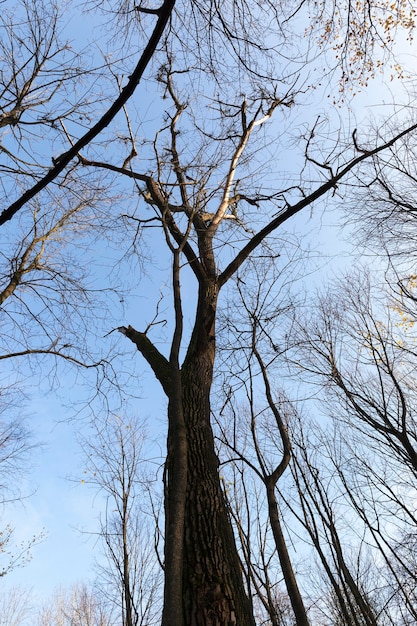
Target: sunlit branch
(290, 210)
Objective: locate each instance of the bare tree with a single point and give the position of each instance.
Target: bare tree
(351, 487)
(77, 605)
(361, 352)
(181, 201)
(129, 576)
(16, 446)
(15, 606)
(261, 307)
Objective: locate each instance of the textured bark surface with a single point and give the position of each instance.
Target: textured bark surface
(213, 590)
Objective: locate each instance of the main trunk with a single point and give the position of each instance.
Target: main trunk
(213, 590)
(203, 577)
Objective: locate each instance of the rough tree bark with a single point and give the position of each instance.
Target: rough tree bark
(213, 584)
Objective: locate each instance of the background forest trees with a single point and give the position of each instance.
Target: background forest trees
(181, 150)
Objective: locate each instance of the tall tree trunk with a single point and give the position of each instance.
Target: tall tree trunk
(203, 551)
(291, 584)
(213, 590)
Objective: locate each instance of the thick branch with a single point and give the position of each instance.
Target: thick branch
(155, 197)
(290, 211)
(61, 163)
(159, 364)
(246, 133)
(177, 471)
